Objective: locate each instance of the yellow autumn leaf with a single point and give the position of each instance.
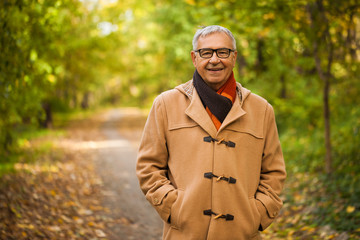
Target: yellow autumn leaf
(305, 228)
(96, 208)
(51, 78)
(269, 16)
(70, 204)
(91, 224)
(30, 226)
(311, 230)
(264, 32)
(350, 209)
(21, 225)
(18, 215)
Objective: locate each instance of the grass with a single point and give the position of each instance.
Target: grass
(31, 142)
(26, 148)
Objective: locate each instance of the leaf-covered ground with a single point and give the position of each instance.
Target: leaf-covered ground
(59, 195)
(303, 217)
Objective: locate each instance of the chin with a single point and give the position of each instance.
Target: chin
(215, 84)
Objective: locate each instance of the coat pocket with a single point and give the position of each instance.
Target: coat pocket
(256, 217)
(175, 212)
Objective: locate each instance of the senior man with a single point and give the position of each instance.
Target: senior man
(210, 160)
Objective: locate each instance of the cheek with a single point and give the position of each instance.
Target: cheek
(201, 64)
(231, 64)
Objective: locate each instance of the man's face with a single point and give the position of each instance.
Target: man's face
(215, 71)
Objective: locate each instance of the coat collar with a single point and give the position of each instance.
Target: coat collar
(197, 112)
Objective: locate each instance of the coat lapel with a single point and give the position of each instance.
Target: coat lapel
(197, 112)
(235, 113)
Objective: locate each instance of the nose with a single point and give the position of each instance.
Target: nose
(214, 59)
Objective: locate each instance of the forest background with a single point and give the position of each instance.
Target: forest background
(303, 56)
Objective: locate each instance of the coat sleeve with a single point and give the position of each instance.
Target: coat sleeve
(152, 167)
(273, 173)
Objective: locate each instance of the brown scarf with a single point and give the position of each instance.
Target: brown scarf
(217, 104)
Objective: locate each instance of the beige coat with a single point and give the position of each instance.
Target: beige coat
(184, 166)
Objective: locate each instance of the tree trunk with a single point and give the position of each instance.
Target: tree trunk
(320, 23)
(328, 160)
(8, 140)
(48, 121)
(326, 109)
(283, 86)
(260, 60)
(85, 100)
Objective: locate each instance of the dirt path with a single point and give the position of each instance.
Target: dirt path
(115, 163)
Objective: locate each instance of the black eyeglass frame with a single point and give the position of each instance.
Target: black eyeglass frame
(214, 50)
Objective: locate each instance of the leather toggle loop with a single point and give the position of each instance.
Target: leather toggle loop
(228, 217)
(218, 178)
(221, 141)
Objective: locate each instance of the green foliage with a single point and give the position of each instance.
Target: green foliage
(51, 59)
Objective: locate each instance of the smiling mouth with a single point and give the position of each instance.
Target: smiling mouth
(215, 69)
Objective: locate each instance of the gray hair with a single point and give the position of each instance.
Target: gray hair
(203, 32)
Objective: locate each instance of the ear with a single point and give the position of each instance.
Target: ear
(193, 57)
(235, 54)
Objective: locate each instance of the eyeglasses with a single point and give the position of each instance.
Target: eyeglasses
(220, 52)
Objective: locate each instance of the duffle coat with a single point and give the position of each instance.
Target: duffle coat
(206, 183)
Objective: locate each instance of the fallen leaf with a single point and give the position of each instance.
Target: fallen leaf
(78, 220)
(54, 228)
(53, 193)
(85, 212)
(27, 226)
(66, 219)
(99, 233)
